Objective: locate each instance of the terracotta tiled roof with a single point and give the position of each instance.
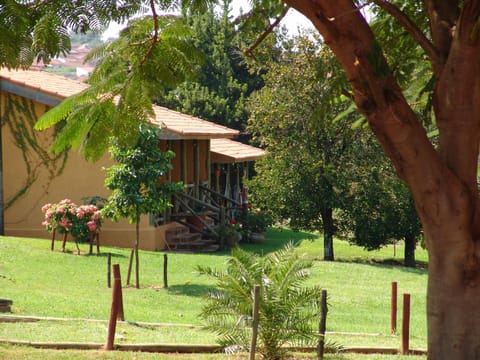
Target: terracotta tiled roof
(44, 82)
(175, 125)
(189, 126)
(230, 151)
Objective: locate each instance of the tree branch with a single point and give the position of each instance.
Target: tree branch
(154, 38)
(414, 31)
(443, 16)
(251, 49)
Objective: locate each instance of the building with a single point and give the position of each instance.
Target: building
(33, 177)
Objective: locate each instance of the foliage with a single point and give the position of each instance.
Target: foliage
(65, 216)
(135, 178)
(41, 30)
(136, 182)
(255, 220)
(287, 311)
(129, 72)
(304, 123)
(229, 235)
(19, 116)
(224, 79)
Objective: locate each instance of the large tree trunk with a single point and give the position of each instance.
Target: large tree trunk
(444, 182)
(328, 230)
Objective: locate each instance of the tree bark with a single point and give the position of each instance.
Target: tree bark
(409, 254)
(328, 230)
(443, 183)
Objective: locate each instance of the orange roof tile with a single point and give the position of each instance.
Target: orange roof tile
(44, 82)
(175, 125)
(230, 151)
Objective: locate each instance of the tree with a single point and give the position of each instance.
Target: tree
(443, 179)
(287, 308)
(296, 117)
(135, 182)
(129, 73)
(40, 30)
(224, 79)
(379, 208)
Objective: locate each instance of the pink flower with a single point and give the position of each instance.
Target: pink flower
(80, 212)
(96, 215)
(46, 207)
(65, 223)
(92, 226)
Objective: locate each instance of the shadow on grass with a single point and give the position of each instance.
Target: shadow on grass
(275, 239)
(194, 290)
(388, 263)
(105, 254)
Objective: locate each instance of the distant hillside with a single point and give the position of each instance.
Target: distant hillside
(73, 66)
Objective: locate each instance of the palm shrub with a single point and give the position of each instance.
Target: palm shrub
(288, 310)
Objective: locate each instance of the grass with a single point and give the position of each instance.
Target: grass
(22, 353)
(66, 285)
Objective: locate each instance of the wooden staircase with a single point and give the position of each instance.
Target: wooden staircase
(182, 239)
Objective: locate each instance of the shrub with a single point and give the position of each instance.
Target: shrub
(67, 217)
(288, 311)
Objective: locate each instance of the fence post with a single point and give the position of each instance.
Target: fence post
(165, 271)
(322, 326)
(129, 271)
(109, 269)
(116, 310)
(393, 309)
(256, 304)
(405, 325)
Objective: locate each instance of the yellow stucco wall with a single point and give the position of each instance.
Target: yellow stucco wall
(78, 179)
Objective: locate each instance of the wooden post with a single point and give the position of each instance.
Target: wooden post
(208, 165)
(64, 241)
(53, 239)
(109, 267)
(115, 308)
(117, 277)
(393, 309)
(322, 326)
(405, 325)
(196, 169)
(97, 239)
(165, 271)
(256, 305)
(129, 271)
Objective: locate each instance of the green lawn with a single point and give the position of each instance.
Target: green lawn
(66, 285)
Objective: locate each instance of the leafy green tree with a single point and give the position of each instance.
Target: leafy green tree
(40, 30)
(295, 118)
(287, 311)
(379, 208)
(135, 182)
(225, 80)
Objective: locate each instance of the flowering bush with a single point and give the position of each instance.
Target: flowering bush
(67, 217)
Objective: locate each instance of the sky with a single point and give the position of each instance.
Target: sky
(293, 20)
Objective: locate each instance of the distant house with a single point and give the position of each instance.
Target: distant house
(205, 155)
